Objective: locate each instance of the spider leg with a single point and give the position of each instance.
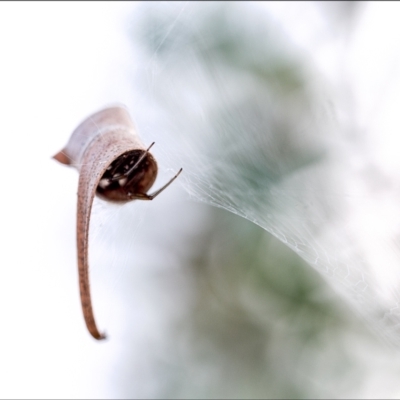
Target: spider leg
(144, 196)
(127, 173)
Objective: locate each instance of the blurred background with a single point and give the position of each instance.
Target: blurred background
(270, 268)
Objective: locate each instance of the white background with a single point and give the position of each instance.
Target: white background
(60, 62)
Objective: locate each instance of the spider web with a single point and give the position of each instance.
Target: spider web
(273, 118)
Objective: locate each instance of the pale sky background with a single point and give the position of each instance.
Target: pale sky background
(60, 62)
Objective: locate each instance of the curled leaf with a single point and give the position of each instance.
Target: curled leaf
(114, 164)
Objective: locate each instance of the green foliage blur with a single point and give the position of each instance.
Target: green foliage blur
(260, 322)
